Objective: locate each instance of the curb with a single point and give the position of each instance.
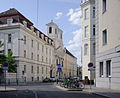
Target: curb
(66, 89)
(7, 90)
(101, 95)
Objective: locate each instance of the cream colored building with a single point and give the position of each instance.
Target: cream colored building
(34, 51)
(56, 34)
(70, 65)
(88, 37)
(108, 44)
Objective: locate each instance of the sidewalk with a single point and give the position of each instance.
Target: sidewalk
(108, 93)
(2, 89)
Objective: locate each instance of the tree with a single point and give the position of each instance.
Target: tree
(2, 57)
(11, 61)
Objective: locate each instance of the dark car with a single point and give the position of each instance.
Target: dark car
(46, 80)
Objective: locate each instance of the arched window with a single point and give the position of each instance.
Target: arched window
(61, 36)
(50, 29)
(85, 49)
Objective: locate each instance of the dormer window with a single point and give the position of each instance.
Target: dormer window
(9, 21)
(50, 29)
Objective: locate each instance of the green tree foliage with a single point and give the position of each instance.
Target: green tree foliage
(2, 57)
(11, 61)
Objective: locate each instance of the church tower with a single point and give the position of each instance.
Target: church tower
(55, 33)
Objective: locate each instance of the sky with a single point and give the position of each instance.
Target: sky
(65, 13)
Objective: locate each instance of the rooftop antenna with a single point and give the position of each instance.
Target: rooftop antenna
(37, 11)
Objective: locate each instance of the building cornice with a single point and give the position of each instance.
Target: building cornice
(84, 4)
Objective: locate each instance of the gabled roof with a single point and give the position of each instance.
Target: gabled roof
(68, 52)
(13, 12)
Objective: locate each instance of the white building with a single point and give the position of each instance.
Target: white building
(88, 37)
(34, 51)
(108, 44)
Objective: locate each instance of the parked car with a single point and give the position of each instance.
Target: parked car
(53, 79)
(46, 80)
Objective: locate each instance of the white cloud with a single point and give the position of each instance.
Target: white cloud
(75, 45)
(58, 15)
(74, 16)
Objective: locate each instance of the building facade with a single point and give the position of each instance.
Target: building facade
(88, 37)
(55, 33)
(34, 51)
(108, 44)
(70, 65)
(38, 56)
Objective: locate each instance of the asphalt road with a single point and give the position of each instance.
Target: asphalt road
(44, 91)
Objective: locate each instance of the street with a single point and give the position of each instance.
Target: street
(44, 90)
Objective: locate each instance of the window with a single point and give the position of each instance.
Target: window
(85, 49)
(57, 62)
(86, 31)
(94, 49)
(38, 46)
(24, 39)
(93, 30)
(93, 12)
(42, 59)
(42, 48)
(31, 69)
(42, 70)
(38, 70)
(62, 63)
(108, 68)
(49, 60)
(32, 55)
(55, 31)
(46, 50)
(61, 36)
(38, 57)
(32, 78)
(24, 68)
(50, 52)
(31, 43)
(104, 6)
(9, 38)
(86, 13)
(46, 60)
(24, 53)
(37, 78)
(50, 29)
(46, 70)
(9, 50)
(105, 37)
(101, 69)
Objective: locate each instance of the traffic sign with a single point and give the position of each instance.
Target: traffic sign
(23, 72)
(90, 64)
(5, 66)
